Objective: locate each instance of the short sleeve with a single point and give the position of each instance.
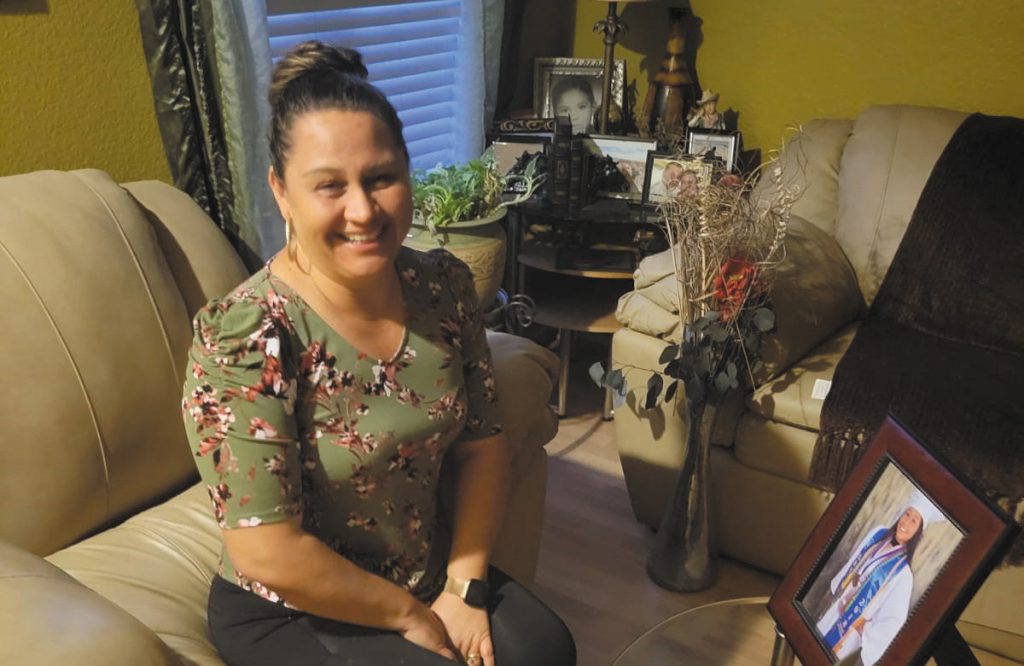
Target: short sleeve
(477, 368)
(238, 407)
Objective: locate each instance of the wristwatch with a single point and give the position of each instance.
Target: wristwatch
(473, 591)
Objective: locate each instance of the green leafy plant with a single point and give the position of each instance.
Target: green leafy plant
(446, 195)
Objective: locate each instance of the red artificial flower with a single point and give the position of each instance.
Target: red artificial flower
(736, 279)
(731, 180)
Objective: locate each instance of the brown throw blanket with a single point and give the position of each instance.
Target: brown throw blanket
(942, 346)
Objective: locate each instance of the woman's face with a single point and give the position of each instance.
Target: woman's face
(347, 191)
(578, 107)
(908, 525)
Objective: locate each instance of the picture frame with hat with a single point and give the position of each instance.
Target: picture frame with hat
(897, 555)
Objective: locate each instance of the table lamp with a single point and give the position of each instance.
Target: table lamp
(610, 27)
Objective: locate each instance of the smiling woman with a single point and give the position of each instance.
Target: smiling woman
(326, 391)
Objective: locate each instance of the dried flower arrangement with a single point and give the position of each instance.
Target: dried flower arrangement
(725, 249)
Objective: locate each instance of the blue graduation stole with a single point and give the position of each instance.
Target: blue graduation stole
(869, 587)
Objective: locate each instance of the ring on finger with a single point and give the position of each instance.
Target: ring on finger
(473, 659)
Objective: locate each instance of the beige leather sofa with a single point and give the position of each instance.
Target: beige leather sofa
(107, 544)
(861, 180)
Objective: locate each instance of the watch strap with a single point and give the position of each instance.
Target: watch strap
(473, 591)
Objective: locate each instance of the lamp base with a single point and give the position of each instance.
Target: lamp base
(672, 94)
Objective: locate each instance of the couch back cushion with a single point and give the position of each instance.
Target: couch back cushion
(96, 332)
(809, 164)
(887, 159)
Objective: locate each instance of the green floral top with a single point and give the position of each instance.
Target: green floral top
(286, 418)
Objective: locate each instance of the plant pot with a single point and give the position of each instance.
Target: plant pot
(479, 243)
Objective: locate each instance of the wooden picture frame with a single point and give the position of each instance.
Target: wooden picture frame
(694, 174)
(962, 538)
(725, 144)
(630, 157)
(550, 74)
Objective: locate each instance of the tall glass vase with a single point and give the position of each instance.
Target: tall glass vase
(681, 559)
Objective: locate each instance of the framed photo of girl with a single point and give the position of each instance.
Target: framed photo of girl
(573, 87)
(892, 563)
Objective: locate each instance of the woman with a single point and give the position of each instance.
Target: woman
(322, 397)
(574, 97)
(872, 591)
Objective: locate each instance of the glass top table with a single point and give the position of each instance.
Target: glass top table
(737, 632)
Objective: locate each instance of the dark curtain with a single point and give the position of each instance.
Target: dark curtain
(177, 37)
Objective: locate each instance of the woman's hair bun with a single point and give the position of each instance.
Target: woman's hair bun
(312, 57)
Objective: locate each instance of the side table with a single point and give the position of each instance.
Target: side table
(572, 296)
(737, 632)
(572, 301)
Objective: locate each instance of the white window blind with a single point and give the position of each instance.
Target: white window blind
(413, 51)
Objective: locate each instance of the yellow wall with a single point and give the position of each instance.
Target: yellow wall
(781, 63)
(74, 90)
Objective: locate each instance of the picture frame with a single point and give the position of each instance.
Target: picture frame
(667, 176)
(509, 149)
(725, 144)
(569, 78)
(903, 606)
(630, 161)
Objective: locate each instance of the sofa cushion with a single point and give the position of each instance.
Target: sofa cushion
(887, 160)
(788, 398)
(99, 338)
(203, 263)
(814, 295)
(774, 448)
(810, 165)
(50, 618)
(157, 566)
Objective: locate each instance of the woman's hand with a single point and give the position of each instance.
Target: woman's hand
(425, 629)
(468, 627)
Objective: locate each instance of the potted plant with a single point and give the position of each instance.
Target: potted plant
(459, 207)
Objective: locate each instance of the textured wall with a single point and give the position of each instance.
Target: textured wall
(74, 90)
(781, 63)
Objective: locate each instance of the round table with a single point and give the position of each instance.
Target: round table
(736, 632)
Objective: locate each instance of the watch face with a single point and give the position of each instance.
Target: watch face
(476, 593)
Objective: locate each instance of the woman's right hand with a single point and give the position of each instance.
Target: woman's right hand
(425, 629)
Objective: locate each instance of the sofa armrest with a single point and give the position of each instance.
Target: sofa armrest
(525, 373)
(814, 295)
(47, 617)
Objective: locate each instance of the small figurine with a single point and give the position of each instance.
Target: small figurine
(705, 114)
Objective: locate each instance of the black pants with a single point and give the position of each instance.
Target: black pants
(250, 631)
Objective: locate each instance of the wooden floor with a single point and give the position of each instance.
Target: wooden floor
(591, 567)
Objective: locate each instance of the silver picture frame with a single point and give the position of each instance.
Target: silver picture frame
(547, 72)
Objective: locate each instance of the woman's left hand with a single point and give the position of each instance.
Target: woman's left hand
(468, 627)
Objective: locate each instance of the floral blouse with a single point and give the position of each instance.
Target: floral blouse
(286, 418)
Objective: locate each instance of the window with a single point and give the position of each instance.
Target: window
(424, 55)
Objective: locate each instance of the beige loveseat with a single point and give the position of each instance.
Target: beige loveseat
(861, 180)
(107, 544)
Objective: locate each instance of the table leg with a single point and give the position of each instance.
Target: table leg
(607, 412)
(564, 354)
(782, 653)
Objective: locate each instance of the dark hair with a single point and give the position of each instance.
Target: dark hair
(911, 546)
(572, 82)
(314, 76)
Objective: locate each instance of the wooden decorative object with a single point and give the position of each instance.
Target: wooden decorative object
(672, 93)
